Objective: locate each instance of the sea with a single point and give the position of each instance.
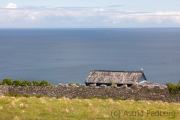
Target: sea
(67, 55)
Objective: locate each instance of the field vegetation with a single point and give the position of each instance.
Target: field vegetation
(43, 108)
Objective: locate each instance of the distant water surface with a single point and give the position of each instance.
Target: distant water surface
(67, 55)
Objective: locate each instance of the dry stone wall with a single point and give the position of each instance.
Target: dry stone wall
(4, 89)
(64, 90)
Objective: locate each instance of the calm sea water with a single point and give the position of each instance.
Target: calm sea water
(67, 55)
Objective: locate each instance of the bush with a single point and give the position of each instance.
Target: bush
(172, 88)
(16, 82)
(35, 83)
(25, 82)
(7, 81)
(44, 82)
(178, 85)
(1, 82)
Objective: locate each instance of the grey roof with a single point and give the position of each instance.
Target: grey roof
(118, 77)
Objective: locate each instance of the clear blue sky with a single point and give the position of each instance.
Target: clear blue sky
(89, 13)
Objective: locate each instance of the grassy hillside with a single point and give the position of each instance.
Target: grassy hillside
(44, 108)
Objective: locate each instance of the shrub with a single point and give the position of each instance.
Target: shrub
(16, 82)
(25, 82)
(172, 88)
(44, 82)
(35, 83)
(1, 82)
(7, 81)
(178, 85)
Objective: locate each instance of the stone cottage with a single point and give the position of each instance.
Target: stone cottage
(107, 77)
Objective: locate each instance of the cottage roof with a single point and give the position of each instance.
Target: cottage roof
(118, 77)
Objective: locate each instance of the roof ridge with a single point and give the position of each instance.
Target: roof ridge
(118, 71)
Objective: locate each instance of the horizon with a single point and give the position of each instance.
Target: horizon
(99, 28)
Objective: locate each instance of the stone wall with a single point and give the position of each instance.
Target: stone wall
(4, 89)
(63, 90)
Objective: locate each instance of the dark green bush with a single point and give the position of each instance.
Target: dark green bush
(35, 83)
(16, 82)
(7, 81)
(45, 83)
(172, 88)
(25, 82)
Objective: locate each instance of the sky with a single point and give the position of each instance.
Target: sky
(89, 13)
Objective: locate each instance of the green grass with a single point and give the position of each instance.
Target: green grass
(44, 108)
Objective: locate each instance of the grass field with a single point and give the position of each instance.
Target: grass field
(44, 108)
